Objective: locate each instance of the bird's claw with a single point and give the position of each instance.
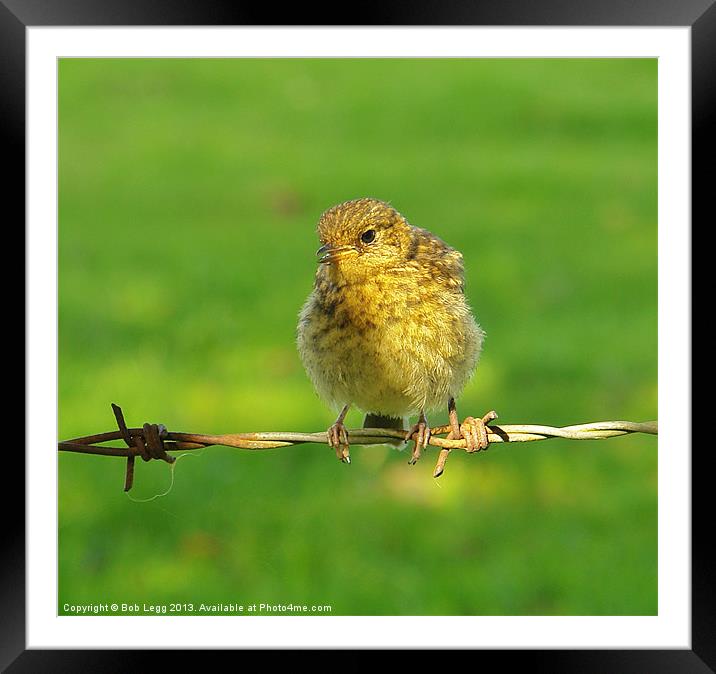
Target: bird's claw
(474, 431)
(421, 439)
(338, 439)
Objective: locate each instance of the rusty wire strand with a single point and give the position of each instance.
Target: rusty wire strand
(153, 441)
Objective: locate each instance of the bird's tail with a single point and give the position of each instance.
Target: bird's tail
(380, 421)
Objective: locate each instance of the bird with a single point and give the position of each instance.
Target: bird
(387, 327)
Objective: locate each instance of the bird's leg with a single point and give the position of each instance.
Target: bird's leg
(421, 439)
(338, 437)
(474, 431)
(453, 419)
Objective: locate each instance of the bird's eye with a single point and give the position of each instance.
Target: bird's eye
(368, 236)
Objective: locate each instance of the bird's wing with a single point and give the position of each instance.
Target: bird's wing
(439, 261)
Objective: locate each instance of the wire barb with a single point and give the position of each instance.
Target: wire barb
(153, 441)
(149, 444)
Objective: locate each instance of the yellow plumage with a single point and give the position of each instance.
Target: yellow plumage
(387, 327)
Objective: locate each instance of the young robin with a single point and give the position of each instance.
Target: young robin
(387, 327)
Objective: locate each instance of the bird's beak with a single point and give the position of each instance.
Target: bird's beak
(329, 253)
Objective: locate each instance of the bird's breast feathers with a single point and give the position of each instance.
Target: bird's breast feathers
(395, 343)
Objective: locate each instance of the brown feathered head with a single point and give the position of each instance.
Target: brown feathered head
(364, 232)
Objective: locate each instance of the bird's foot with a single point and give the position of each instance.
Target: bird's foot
(474, 431)
(338, 437)
(421, 439)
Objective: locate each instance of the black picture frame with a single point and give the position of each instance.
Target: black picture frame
(700, 15)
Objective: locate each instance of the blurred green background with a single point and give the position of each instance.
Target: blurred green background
(189, 192)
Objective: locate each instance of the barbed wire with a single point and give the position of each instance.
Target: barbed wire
(154, 441)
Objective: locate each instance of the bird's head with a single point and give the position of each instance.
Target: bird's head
(361, 236)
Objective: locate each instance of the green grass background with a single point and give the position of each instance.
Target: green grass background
(189, 192)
